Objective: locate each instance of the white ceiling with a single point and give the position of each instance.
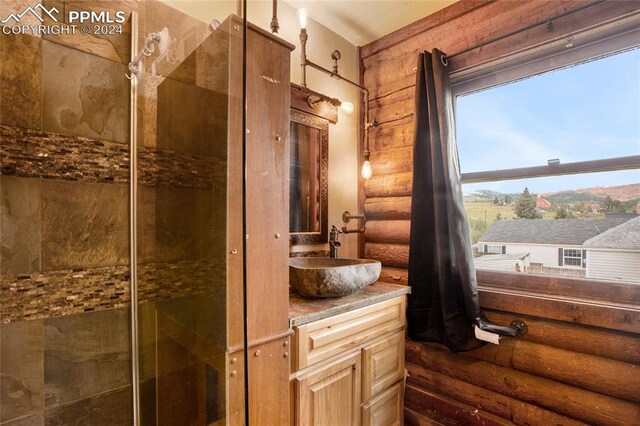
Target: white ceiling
(362, 21)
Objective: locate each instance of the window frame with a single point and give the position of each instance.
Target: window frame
(574, 256)
(594, 43)
(490, 247)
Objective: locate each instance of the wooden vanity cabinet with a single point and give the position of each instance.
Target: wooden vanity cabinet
(348, 369)
(330, 394)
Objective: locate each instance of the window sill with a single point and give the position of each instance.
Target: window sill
(612, 305)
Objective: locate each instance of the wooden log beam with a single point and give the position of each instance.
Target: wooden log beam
(412, 418)
(563, 27)
(572, 337)
(519, 412)
(388, 231)
(394, 255)
(395, 185)
(564, 399)
(449, 13)
(394, 275)
(392, 69)
(606, 376)
(390, 135)
(563, 286)
(389, 208)
(391, 161)
(394, 106)
(606, 315)
(438, 406)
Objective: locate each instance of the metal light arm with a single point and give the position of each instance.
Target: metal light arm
(304, 63)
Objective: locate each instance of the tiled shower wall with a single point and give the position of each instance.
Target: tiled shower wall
(64, 267)
(64, 262)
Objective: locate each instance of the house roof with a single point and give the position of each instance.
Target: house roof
(540, 231)
(500, 257)
(625, 236)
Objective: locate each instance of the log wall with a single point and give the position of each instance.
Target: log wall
(580, 361)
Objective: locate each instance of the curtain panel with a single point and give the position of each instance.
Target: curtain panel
(443, 305)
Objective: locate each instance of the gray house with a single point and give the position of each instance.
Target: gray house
(550, 244)
(615, 253)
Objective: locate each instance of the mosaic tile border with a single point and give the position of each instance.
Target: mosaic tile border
(46, 155)
(48, 294)
(44, 295)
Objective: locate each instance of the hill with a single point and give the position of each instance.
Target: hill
(621, 192)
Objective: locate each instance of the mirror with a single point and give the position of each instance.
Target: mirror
(308, 184)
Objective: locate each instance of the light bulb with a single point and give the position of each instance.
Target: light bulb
(366, 169)
(347, 106)
(303, 14)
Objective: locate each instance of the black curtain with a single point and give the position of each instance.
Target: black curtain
(443, 305)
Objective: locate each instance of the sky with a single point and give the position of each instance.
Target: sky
(586, 112)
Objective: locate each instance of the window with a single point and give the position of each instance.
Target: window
(550, 169)
(494, 249)
(572, 257)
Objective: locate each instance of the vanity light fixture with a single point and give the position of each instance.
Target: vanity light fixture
(303, 16)
(313, 100)
(347, 107)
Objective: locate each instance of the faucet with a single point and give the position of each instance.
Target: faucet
(333, 242)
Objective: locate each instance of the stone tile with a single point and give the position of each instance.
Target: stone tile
(85, 355)
(177, 224)
(34, 420)
(84, 225)
(114, 46)
(39, 154)
(148, 112)
(49, 294)
(84, 95)
(107, 409)
(21, 370)
(19, 225)
(21, 81)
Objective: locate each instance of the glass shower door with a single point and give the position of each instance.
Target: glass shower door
(189, 267)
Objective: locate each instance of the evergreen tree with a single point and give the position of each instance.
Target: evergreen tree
(525, 207)
(618, 206)
(562, 214)
(496, 201)
(608, 204)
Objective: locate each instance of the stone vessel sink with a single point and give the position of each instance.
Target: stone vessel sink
(324, 277)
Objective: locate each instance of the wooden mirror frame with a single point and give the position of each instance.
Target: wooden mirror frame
(303, 238)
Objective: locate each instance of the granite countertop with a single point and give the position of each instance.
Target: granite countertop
(303, 310)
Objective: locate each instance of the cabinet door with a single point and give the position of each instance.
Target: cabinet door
(331, 395)
(384, 409)
(382, 364)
